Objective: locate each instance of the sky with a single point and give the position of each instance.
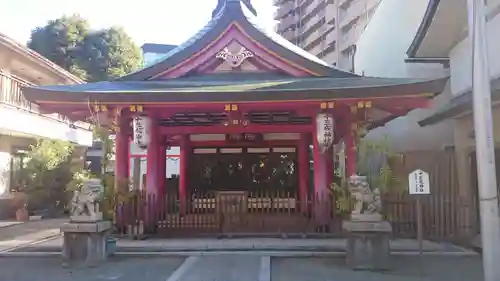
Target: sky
(146, 21)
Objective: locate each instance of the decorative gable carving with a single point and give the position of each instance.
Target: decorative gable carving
(234, 59)
(234, 51)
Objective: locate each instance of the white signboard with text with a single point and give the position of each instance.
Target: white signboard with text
(419, 183)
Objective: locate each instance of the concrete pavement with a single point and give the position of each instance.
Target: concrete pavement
(117, 269)
(15, 235)
(240, 268)
(251, 244)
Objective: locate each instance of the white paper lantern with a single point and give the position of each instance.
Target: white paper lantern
(325, 130)
(141, 126)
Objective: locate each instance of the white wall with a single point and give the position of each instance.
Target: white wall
(5, 160)
(381, 49)
(461, 62)
(381, 52)
(15, 121)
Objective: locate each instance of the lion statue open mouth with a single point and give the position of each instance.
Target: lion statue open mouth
(367, 201)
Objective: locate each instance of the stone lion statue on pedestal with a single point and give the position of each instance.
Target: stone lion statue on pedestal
(85, 202)
(368, 203)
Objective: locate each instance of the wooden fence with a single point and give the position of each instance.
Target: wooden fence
(443, 219)
(283, 213)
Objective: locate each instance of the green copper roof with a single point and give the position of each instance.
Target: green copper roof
(237, 87)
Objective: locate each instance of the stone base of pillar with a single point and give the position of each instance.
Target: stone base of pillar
(368, 245)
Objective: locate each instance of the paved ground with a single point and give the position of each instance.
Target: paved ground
(223, 268)
(246, 244)
(239, 268)
(118, 269)
(15, 235)
(405, 268)
(9, 223)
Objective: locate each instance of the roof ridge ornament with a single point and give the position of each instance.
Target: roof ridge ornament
(223, 3)
(234, 59)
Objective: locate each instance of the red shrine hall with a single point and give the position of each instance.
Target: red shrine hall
(251, 112)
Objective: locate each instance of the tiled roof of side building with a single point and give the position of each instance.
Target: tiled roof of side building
(157, 48)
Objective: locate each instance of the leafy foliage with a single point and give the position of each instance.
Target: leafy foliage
(380, 164)
(92, 55)
(343, 202)
(49, 169)
(60, 42)
(113, 195)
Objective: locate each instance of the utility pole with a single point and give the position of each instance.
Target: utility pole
(485, 149)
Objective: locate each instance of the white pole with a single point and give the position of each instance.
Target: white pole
(485, 149)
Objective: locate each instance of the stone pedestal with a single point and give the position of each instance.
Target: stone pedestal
(368, 244)
(85, 242)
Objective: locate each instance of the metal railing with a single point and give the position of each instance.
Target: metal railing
(11, 92)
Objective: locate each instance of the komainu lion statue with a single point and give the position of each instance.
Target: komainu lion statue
(367, 201)
(85, 202)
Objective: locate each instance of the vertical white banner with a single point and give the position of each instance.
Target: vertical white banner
(325, 130)
(141, 130)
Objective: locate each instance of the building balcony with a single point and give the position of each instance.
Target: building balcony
(289, 34)
(356, 9)
(331, 37)
(350, 38)
(344, 3)
(287, 23)
(11, 94)
(318, 49)
(312, 9)
(23, 118)
(283, 10)
(277, 3)
(316, 32)
(330, 58)
(312, 23)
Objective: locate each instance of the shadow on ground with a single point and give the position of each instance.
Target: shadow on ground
(404, 268)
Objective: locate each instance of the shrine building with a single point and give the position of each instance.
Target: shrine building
(245, 106)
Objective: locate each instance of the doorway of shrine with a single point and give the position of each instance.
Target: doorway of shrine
(255, 171)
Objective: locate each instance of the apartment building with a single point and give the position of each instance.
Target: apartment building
(328, 29)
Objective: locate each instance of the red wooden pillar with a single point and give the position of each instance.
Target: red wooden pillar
(320, 168)
(329, 167)
(303, 170)
(321, 188)
(121, 153)
(183, 180)
(162, 170)
(152, 160)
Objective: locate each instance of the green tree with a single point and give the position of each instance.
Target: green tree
(93, 55)
(48, 171)
(60, 41)
(109, 53)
